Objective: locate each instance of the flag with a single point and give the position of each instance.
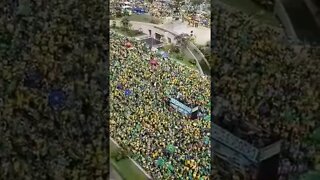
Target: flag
(127, 92)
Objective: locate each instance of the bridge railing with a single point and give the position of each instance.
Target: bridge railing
(193, 49)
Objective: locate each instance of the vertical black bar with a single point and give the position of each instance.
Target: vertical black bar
(53, 84)
(214, 30)
(106, 60)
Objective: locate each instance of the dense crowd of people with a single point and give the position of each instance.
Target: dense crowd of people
(267, 82)
(141, 120)
(50, 63)
(160, 9)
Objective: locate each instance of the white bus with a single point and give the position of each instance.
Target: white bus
(126, 9)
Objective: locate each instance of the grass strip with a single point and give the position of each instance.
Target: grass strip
(125, 167)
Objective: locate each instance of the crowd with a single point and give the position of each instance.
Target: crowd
(160, 9)
(267, 82)
(51, 90)
(141, 120)
(199, 19)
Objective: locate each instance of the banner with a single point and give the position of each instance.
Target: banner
(180, 107)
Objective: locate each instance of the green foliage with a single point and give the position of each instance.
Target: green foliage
(120, 155)
(128, 32)
(125, 23)
(172, 48)
(192, 61)
(179, 56)
(182, 41)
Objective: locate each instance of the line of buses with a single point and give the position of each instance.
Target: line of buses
(127, 8)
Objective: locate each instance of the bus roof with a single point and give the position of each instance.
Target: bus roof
(126, 7)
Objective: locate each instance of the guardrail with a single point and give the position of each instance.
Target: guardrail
(191, 46)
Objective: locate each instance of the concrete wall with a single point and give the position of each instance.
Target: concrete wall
(154, 29)
(280, 11)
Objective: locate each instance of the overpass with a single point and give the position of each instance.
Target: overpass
(158, 31)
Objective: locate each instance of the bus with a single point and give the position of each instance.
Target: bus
(126, 9)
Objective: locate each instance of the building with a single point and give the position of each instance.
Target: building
(300, 18)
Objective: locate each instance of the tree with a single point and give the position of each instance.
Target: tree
(163, 40)
(125, 23)
(120, 155)
(182, 41)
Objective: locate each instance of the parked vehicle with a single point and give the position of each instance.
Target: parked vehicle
(138, 10)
